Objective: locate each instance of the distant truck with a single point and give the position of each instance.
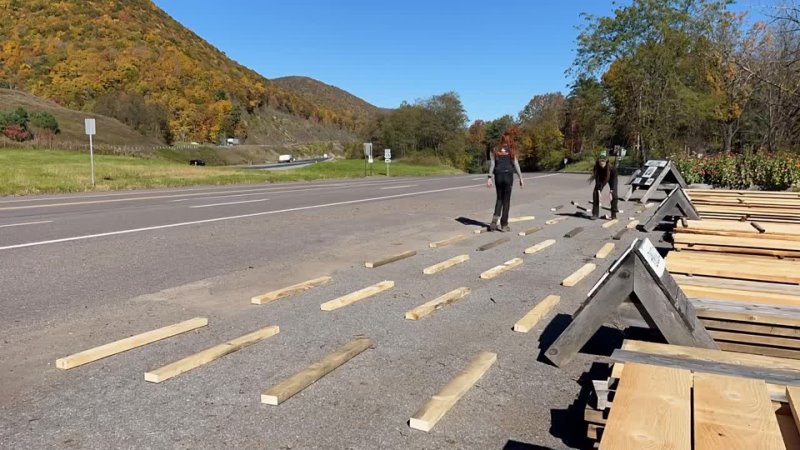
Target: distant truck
(285, 158)
(232, 141)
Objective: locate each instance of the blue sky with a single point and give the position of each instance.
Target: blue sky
(495, 55)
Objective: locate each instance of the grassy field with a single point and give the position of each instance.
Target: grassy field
(48, 171)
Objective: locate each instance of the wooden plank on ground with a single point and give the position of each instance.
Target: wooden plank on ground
(556, 220)
(540, 246)
(390, 259)
(793, 394)
(578, 275)
(632, 224)
(356, 296)
(733, 413)
(533, 317)
(604, 251)
(497, 270)
(436, 268)
(123, 345)
(448, 241)
(208, 355)
(610, 223)
(529, 231)
(291, 290)
(311, 374)
(652, 409)
(435, 408)
(437, 303)
(620, 234)
(573, 232)
(521, 219)
(493, 244)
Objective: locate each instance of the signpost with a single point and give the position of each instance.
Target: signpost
(651, 176)
(91, 130)
(367, 157)
(387, 157)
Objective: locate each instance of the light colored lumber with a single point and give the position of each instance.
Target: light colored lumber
(793, 394)
(390, 259)
(529, 231)
(436, 268)
(604, 251)
(285, 292)
(123, 345)
(784, 230)
(734, 266)
(480, 230)
(556, 220)
(794, 254)
(759, 350)
(732, 413)
(632, 224)
(751, 327)
(435, 408)
(448, 241)
(652, 410)
(437, 303)
(289, 387)
(208, 355)
(521, 219)
(533, 317)
(579, 275)
(497, 270)
(746, 338)
(610, 223)
(741, 285)
(356, 296)
(540, 246)
(729, 241)
(703, 354)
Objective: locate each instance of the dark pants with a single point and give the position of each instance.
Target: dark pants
(596, 200)
(503, 181)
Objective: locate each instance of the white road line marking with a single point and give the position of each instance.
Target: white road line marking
(216, 196)
(477, 179)
(242, 216)
(230, 203)
(26, 223)
(399, 187)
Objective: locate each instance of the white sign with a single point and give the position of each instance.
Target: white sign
(649, 172)
(370, 159)
(368, 149)
(90, 127)
(387, 154)
(651, 255)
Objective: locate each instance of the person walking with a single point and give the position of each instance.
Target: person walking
(604, 173)
(502, 168)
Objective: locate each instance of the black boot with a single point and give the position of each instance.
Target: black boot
(493, 225)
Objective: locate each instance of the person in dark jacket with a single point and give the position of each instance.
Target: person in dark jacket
(604, 173)
(502, 168)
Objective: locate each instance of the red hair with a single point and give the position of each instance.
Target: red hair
(507, 141)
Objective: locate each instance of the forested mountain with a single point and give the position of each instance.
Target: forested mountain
(328, 96)
(130, 60)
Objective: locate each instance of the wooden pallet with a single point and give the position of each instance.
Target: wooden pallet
(671, 406)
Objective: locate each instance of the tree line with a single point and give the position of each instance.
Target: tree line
(659, 77)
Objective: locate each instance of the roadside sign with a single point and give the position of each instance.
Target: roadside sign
(367, 149)
(387, 154)
(370, 159)
(90, 127)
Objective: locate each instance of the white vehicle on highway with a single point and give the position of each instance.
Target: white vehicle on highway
(285, 158)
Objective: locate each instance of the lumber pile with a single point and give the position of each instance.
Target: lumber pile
(780, 240)
(767, 206)
(665, 396)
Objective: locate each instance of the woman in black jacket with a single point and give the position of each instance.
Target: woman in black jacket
(502, 168)
(604, 173)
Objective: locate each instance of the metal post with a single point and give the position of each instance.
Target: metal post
(91, 157)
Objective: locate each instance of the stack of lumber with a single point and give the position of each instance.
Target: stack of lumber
(767, 206)
(665, 396)
(780, 240)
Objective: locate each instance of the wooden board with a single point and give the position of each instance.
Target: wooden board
(529, 231)
(211, 354)
(749, 327)
(733, 266)
(493, 244)
(521, 219)
(786, 230)
(610, 223)
(733, 413)
(620, 234)
(540, 246)
(632, 224)
(711, 356)
(497, 270)
(123, 345)
(359, 295)
(793, 254)
(793, 394)
(578, 275)
(437, 303)
(434, 409)
(311, 374)
(742, 285)
(448, 241)
(652, 410)
(287, 291)
(727, 241)
(573, 232)
(758, 339)
(759, 350)
(604, 251)
(767, 298)
(533, 317)
(556, 220)
(390, 259)
(436, 268)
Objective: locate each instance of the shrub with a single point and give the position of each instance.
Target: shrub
(778, 171)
